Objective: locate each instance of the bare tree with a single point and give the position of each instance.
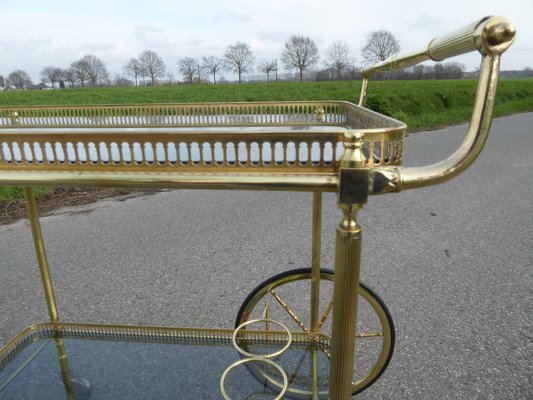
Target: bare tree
(300, 53)
(418, 71)
(20, 79)
(90, 68)
(239, 58)
(51, 75)
(2, 82)
(70, 76)
(380, 45)
(455, 70)
(267, 67)
(450, 70)
(133, 68)
(152, 65)
(169, 79)
(188, 66)
(212, 65)
(79, 69)
(57, 75)
(438, 71)
(121, 81)
(48, 76)
(339, 58)
(96, 69)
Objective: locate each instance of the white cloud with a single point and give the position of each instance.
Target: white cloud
(232, 16)
(36, 33)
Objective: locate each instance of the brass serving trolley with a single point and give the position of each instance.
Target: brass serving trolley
(320, 146)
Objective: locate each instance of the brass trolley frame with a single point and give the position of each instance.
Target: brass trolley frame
(329, 146)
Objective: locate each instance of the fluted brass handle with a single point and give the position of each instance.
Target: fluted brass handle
(486, 34)
(461, 41)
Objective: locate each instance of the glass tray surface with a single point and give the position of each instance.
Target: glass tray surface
(142, 363)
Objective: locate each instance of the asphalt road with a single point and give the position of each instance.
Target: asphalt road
(453, 263)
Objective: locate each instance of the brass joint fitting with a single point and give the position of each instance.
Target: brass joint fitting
(354, 175)
(14, 117)
(353, 156)
(320, 114)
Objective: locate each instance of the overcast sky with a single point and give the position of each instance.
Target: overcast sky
(37, 33)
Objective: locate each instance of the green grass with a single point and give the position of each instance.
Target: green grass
(10, 192)
(420, 104)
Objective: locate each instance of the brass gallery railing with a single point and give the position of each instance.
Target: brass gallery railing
(309, 146)
(178, 115)
(304, 138)
(230, 150)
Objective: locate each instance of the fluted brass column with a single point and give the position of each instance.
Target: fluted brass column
(315, 261)
(315, 286)
(64, 366)
(353, 193)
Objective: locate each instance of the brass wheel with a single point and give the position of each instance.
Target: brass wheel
(286, 298)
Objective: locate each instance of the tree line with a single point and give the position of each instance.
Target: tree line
(300, 54)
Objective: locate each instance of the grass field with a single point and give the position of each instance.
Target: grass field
(420, 104)
(8, 192)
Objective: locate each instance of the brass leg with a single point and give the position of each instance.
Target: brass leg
(314, 370)
(346, 291)
(315, 261)
(315, 285)
(33, 217)
(65, 369)
(353, 193)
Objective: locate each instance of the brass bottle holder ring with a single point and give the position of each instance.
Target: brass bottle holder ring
(249, 360)
(260, 358)
(255, 321)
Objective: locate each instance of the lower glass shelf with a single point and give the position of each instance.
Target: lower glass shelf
(87, 361)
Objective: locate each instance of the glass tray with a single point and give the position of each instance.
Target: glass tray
(47, 361)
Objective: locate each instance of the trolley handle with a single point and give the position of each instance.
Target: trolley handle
(459, 42)
(491, 36)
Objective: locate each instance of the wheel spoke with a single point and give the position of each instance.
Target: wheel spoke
(266, 311)
(327, 353)
(365, 335)
(325, 316)
(292, 314)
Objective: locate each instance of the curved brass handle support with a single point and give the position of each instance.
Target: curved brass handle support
(478, 132)
(492, 36)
